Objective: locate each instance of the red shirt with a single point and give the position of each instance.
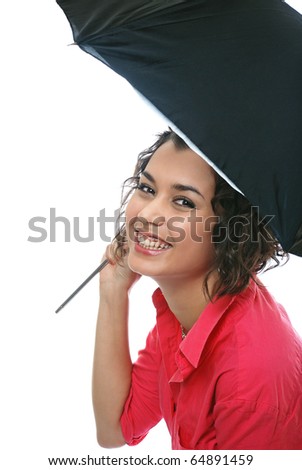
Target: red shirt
(235, 381)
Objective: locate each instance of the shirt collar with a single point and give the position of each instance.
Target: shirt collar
(192, 346)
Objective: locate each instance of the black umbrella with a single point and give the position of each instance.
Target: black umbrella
(227, 74)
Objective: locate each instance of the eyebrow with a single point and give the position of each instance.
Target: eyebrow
(177, 186)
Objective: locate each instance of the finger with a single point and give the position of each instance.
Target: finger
(111, 253)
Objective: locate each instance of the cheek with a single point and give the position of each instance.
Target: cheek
(199, 227)
(132, 210)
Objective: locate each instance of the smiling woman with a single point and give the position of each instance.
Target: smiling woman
(222, 365)
(214, 208)
(160, 208)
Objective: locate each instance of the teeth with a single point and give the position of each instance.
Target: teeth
(151, 243)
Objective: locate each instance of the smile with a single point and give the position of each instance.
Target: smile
(151, 243)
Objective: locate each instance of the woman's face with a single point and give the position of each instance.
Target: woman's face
(169, 218)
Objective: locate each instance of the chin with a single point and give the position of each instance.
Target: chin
(144, 268)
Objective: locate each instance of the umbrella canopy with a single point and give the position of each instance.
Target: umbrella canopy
(227, 74)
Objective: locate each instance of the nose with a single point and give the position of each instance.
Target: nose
(153, 213)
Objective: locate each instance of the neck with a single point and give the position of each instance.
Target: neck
(186, 299)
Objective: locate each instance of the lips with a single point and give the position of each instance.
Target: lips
(151, 242)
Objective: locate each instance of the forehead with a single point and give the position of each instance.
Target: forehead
(170, 162)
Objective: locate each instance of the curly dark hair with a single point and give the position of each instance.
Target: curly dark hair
(244, 245)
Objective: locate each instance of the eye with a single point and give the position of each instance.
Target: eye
(145, 188)
(185, 202)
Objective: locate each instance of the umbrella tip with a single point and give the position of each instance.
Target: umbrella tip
(60, 308)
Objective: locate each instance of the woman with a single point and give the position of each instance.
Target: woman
(223, 365)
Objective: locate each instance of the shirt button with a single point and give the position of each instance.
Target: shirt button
(174, 407)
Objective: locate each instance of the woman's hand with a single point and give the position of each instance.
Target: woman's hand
(117, 274)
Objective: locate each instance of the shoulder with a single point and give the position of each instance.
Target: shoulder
(257, 314)
(262, 352)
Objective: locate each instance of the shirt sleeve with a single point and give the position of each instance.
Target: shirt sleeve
(142, 409)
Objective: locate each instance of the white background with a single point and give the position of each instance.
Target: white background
(70, 134)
